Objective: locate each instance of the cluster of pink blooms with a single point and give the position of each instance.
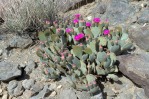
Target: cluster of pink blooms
(88, 24)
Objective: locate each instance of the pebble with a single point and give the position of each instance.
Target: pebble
(59, 87)
(1, 91)
(143, 5)
(53, 94)
(5, 96)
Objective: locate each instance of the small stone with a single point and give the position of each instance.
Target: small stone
(27, 94)
(67, 94)
(30, 66)
(37, 87)
(1, 91)
(59, 87)
(52, 86)
(22, 65)
(143, 5)
(42, 93)
(5, 96)
(98, 96)
(53, 94)
(109, 91)
(15, 88)
(28, 83)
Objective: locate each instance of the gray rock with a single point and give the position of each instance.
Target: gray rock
(136, 67)
(139, 94)
(144, 16)
(119, 11)
(140, 35)
(37, 87)
(9, 71)
(30, 66)
(53, 86)
(42, 93)
(98, 96)
(15, 88)
(27, 84)
(20, 41)
(64, 5)
(109, 92)
(83, 95)
(67, 94)
(26, 94)
(124, 95)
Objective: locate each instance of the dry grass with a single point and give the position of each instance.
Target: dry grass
(19, 15)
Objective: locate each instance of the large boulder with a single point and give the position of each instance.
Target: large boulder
(140, 35)
(9, 71)
(116, 11)
(136, 67)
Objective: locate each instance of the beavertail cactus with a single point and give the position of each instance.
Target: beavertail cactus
(82, 51)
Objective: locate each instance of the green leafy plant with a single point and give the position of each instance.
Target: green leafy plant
(82, 50)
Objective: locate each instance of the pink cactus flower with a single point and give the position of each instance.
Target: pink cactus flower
(62, 57)
(96, 20)
(88, 24)
(94, 82)
(77, 16)
(75, 21)
(58, 30)
(79, 36)
(68, 30)
(106, 32)
(73, 65)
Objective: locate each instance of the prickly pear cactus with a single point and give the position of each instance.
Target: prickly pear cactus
(82, 50)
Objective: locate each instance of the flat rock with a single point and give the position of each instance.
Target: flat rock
(42, 94)
(30, 66)
(15, 88)
(9, 71)
(83, 95)
(27, 84)
(67, 94)
(136, 68)
(20, 41)
(140, 35)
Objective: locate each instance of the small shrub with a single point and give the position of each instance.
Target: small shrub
(82, 50)
(20, 15)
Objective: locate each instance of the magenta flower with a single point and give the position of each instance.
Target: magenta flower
(106, 32)
(77, 16)
(75, 21)
(96, 20)
(79, 36)
(88, 24)
(68, 30)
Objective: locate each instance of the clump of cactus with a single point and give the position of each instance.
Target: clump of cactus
(82, 50)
